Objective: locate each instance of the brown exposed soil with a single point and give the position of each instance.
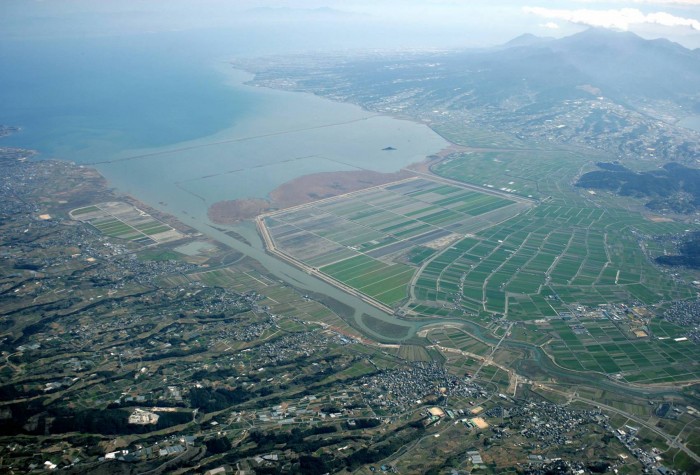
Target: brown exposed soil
(316, 186)
(228, 212)
(304, 189)
(659, 219)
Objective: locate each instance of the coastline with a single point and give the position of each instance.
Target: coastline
(301, 190)
(320, 185)
(282, 137)
(184, 184)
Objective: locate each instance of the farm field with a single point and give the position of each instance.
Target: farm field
(537, 264)
(124, 221)
(281, 299)
(374, 240)
(446, 251)
(517, 170)
(573, 248)
(600, 345)
(568, 270)
(565, 268)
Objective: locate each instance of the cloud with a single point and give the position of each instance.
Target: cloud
(550, 25)
(620, 19)
(687, 3)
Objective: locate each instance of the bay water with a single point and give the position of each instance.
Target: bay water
(165, 118)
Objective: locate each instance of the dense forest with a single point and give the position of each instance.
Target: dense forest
(672, 188)
(689, 254)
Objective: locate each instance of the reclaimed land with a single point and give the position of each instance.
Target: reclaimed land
(304, 189)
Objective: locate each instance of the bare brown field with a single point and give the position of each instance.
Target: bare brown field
(304, 189)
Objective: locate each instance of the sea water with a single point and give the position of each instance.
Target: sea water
(169, 121)
(87, 99)
(164, 118)
(691, 122)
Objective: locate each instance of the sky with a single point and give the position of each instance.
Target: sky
(280, 26)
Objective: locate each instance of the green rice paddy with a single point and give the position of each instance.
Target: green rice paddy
(484, 252)
(123, 221)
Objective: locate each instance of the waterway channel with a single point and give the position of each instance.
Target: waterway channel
(180, 137)
(304, 281)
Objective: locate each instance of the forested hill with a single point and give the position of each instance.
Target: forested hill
(673, 188)
(689, 254)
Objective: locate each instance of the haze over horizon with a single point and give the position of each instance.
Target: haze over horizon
(254, 27)
(350, 237)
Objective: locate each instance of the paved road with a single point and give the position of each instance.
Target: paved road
(672, 441)
(560, 374)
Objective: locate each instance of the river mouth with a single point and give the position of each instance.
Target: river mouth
(291, 135)
(282, 136)
(272, 151)
(127, 114)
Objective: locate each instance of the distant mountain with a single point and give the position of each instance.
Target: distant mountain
(618, 65)
(622, 65)
(527, 39)
(614, 91)
(625, 65)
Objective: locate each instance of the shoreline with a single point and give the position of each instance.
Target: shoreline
(300, 191)
(178, 193)
(313, 187)
(320, 185)
(281, 137)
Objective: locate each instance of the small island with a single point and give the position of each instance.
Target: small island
(6, 130)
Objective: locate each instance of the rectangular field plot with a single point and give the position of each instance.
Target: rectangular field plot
(545, 252)
(600, 345)
(373, 241)
(386, 283)
(124, 221)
